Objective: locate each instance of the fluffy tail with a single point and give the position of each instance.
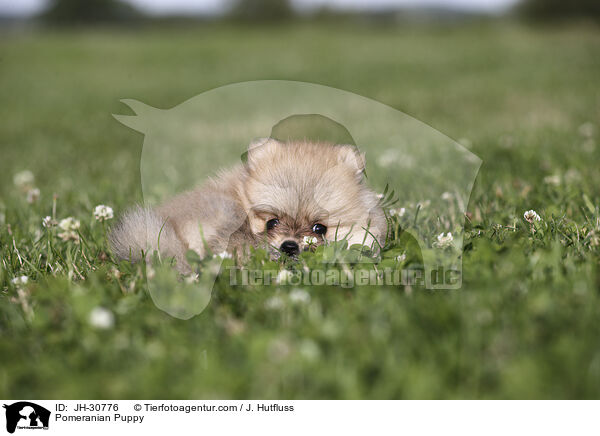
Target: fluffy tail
(140, 232)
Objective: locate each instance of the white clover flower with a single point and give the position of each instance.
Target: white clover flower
(150, 272)
(224, 255)
(572, 175)
(284, 276)
(424, 204)
(309, 350)
(388, 158)
(310, 240)
(589, 145)
(33, 195)
(587, 129)
(114, 271)
(24, 179)
(444, 240)
(69, 226)
(275, 303)
(20, 281)
(447, 196)
(401, 258)
(299, 296)
(48, 222)
(594, 238)
(103, 213)
(531, 216)
(552, 180)
(192, 278)
(393, 156)
(398, 212)
(101, 318)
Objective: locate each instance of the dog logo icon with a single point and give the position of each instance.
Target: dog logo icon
(26, 415)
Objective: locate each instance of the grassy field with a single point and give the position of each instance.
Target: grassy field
(526, 323)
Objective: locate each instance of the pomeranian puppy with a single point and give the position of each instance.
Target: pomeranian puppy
(286, 198)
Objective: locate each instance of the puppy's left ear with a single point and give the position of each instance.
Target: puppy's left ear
(259, 149)
(350, 156)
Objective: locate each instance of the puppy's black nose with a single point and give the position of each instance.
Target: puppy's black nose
(290, 248)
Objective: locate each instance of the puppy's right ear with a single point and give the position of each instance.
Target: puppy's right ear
(259, 149)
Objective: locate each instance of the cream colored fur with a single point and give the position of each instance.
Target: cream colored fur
(299, 182)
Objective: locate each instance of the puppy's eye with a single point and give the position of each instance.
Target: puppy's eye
(319, 229)
(272, 223)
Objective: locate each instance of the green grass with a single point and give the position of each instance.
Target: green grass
(526, 323)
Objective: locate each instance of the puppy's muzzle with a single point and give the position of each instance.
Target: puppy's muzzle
(290, 248)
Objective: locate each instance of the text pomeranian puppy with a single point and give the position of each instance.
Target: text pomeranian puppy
(282, 194)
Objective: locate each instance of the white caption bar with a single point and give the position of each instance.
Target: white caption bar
(299, 417)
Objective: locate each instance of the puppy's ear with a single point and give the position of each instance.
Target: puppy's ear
(259, 149)
(350, 156)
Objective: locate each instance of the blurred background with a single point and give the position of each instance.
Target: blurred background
(480, 71)
(95, 11)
